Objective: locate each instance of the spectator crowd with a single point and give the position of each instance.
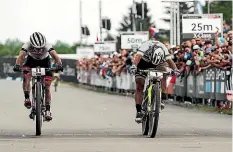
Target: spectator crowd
(193, 55)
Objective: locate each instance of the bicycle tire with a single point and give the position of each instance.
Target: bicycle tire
(145, 120)
(145, 125)
(156, 106)
(38, 109)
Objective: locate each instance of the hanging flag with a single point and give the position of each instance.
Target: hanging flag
(97, 37)
(154, 32)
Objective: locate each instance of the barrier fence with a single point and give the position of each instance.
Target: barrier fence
(7, 64)
(211, 83)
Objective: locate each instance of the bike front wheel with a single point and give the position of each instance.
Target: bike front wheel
(38, 109)
(145, 119)
(155, 110)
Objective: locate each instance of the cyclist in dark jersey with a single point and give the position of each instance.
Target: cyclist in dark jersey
(151, 54)
(37, 51)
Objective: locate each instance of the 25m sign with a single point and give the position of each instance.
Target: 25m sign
(201, 23)
(199, 27)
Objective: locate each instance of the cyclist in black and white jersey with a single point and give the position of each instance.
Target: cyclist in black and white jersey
(151, 54)
(37, 51)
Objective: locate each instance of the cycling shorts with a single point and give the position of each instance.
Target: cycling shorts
(33, 63)
(143, 65)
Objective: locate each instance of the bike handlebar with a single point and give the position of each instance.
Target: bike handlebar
(153, 70)
(26, 70)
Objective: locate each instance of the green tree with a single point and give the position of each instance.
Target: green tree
(224, 7)
(63, 48)
(141, 24)
(10, 47)
(185, 8)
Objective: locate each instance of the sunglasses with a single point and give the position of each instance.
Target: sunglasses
(37, 49)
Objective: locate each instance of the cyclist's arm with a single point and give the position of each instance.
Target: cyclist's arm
(22, 54)
(20, 58)
(54, 55)
(169, 60)
(141, 50)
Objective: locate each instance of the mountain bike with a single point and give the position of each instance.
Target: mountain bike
(151, 105)
(38, 94)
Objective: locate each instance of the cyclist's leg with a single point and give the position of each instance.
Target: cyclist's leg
(47, 80)
(163, 67)
(45, 63)
(140, 81)
(26, 82)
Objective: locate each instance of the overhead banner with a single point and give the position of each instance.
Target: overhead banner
(132, 40)
(105, 47)
(201, 25)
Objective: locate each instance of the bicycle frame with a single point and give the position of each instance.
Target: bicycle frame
(154, 77)
(152, 107)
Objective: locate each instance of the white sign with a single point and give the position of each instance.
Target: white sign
(85, 52)
(105, 47)
(202, 23)
(132, 40)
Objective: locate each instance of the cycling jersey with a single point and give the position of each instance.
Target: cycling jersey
(154, 52)
(154, 55)
(38, 54)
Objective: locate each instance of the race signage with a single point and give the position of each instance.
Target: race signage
(132, 40)
(201, 25)
(105, 47)
(85, 52)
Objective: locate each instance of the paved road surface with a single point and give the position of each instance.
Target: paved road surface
(86, 121)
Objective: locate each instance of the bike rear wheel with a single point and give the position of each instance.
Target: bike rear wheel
(154, 114)
(38, 109)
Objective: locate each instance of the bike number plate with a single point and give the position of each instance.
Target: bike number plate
(156, 74)
(38, 71)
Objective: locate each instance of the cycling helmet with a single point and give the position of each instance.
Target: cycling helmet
(37, 40)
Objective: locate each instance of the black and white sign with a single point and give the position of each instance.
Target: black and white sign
(201, 25)
(105, 47)
(132, 40)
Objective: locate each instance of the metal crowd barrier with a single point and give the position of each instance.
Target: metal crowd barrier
(125, 81)
(211, 83)
(7, 64)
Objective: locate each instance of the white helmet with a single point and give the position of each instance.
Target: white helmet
(37, 40)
